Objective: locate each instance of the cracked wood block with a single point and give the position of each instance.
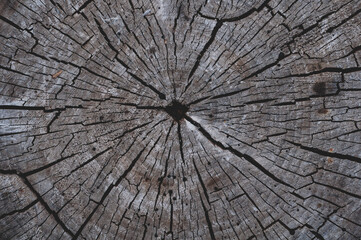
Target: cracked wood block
(180, 119)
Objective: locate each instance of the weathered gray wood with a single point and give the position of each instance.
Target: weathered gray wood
(180, 119)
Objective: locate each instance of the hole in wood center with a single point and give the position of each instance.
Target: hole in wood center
(177, 110)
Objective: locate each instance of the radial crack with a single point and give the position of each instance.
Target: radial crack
(236, 153)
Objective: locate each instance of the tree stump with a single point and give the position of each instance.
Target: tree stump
(180, 119)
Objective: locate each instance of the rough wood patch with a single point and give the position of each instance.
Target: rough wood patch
(180, 119)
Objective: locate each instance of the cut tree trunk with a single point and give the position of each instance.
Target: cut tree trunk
(166, 119)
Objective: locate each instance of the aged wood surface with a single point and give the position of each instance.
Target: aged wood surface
(163, 119)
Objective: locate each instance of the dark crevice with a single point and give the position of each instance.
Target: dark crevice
(31, 172)
(143, 82)
(205, 48)
(317, 235)
(15, 71)
(180, 142)
(171, 215)
(343, 21)
(36, 108)
(236, 197)
(160, 179)
(141, 106)
(201, 182)
(199, 100)
(242, 16)
(20, 210)
(76, 169)
(57, 114)
(260, 101)
(132, 130)
(209, 223)
(326, 153)
(10, 23)
(230, 93)
(83, 6)
(340, 190)
(107, 192)
(324, 70)
(236, 153)
(177, 110)
(248, 13)
(39, 198)
(281, 56)
(219, 96)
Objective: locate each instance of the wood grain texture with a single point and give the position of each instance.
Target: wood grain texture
(226, 119)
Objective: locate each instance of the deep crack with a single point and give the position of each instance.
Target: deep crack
(177, 110)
